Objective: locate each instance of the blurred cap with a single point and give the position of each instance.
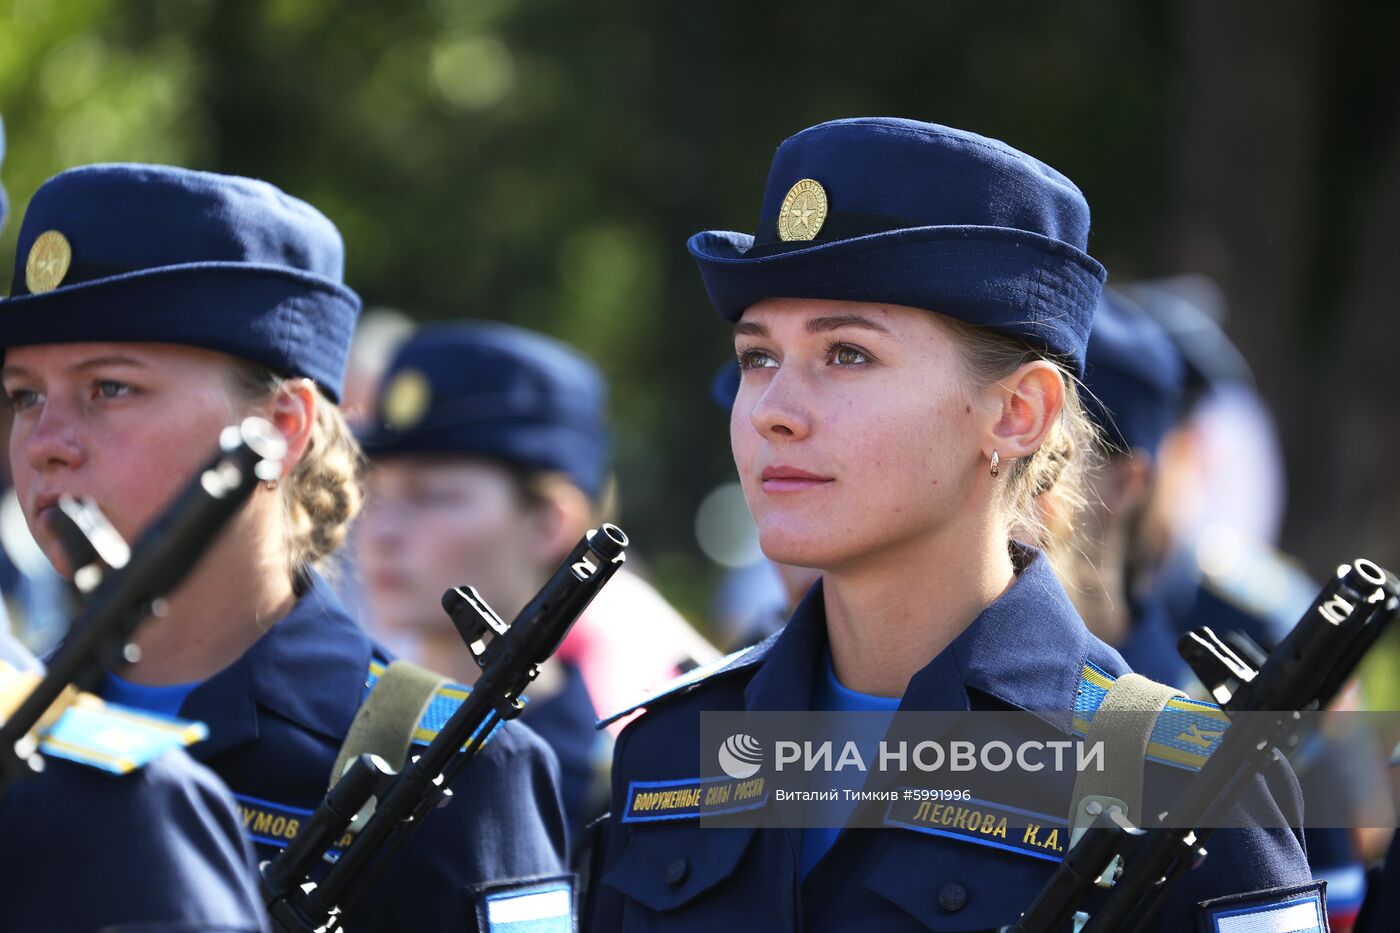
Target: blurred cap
(724, 387)
(1191, 309)
(1134, 375)
(494, 391)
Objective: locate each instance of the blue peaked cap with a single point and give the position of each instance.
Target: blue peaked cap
(177, 256)
(498, 392)
(1134, 374)
(926, 216)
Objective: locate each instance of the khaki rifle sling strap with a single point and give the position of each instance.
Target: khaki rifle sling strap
(389, 716)
(1124, 724)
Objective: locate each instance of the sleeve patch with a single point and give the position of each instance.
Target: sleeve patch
(532, 907)
(1298, 909)
(1184, 736)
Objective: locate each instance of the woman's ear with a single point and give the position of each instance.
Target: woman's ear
(562, 517)
(1029, 402)
(294, 415)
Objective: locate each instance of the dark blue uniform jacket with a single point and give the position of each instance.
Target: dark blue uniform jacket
(277, 718)
(565, 720)
(1026, 651)
(159, 849)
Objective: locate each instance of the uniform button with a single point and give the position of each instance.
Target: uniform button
(953, 897)
(677, 871)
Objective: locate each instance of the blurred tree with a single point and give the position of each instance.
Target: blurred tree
(1289, 196)
(543, 162)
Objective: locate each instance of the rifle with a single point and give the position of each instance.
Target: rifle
(508, 662)
(1303, 674)
(119, 600)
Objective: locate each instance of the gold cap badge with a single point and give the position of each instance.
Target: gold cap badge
(406, 400)
(49, 259)
(803, 211)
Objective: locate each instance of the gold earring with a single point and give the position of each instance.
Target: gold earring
(270, 485)
(996, 463)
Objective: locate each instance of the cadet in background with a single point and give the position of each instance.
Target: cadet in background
(491, 456)
(1136, 379)
(1133, 381)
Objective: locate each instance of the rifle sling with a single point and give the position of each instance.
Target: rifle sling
(387, 719)
(1124, 723)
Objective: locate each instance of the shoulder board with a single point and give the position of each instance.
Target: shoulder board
(440, 708)
(116, 739)
(1261, 583)
(739, 660)
(1186, 733)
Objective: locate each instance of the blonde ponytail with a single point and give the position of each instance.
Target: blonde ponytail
(322, 495)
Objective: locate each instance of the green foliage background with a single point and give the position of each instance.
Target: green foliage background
(543, 161)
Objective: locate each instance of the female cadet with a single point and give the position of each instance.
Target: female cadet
(135, 846)
(490, 460)
(910, 319)
(152, 306)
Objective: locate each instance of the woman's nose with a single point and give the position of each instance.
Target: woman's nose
(380, 527)
(782, 409)
(54, 440)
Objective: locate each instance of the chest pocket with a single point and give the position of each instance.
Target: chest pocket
(690, 874)
(950, 885)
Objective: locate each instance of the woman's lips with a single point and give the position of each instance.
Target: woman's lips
(790, 479)
(390, 580)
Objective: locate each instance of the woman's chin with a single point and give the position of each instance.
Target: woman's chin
(402, 618)
(797, 549)
(59, 560)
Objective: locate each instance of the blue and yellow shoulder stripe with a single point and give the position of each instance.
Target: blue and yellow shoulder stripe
(277, 824)
(440, 709)
(86, 730)
(116, 739)
(1186, 733)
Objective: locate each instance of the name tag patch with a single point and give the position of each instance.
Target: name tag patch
(649, 801)
(1297, 909)
(986, 824)
(275, 824)
(532, 907)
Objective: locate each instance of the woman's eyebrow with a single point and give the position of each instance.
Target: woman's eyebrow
(111, 360)
(97, 361)
(818, 325)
